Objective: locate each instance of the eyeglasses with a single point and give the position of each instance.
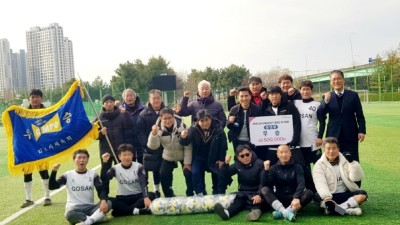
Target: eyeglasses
(244, 155)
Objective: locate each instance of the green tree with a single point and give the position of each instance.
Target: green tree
(138, 76)
(98, 89)
(193, 79)
(386, 77)
(233, 76)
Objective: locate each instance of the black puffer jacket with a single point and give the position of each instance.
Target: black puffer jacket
(117, 124)
(287, 108)
(250, 177)
(288, 179)
(147, 118)
(213, 107)
(218, 144)
(134, 112)
(295, 96)
(237, 111)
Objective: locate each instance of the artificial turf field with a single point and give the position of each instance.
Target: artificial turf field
(379, 153)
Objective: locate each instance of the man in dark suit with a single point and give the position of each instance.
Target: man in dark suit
(346, 118)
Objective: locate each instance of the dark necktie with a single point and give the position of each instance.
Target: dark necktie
(339, 94)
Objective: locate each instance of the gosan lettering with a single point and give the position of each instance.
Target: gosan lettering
(306, 116)
(82, 188)
(128, 181)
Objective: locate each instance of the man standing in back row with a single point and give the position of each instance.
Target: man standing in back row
(35, 102)
(346, 118)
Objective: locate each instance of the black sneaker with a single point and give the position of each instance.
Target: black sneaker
(219, 209)
(27, 203)
(329, 207)
(144, 211)
(47, 202)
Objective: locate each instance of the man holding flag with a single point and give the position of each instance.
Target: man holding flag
(116, 126)
(39, 136)
(35, 100)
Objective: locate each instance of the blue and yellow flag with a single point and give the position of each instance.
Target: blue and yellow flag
(38, 137)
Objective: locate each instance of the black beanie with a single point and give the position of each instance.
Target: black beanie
(108, 97)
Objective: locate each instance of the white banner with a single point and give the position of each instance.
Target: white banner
(271, 130)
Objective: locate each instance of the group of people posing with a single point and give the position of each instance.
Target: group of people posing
(139, 139)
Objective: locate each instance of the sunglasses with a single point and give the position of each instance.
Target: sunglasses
(244, 155)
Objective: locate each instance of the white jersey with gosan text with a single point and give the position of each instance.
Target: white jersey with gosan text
(128, 179)
(309, 123)
(80, 187)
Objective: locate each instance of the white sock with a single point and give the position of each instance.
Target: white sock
(289, 208)
(28, 190)
(135, 211)
(96, 216)
(46, 189)
(277, 205)
(350, 203)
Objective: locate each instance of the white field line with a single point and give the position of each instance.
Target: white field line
(38, 202)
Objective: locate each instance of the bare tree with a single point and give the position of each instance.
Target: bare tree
(270, 78)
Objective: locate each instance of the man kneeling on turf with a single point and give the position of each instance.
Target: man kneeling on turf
(249, 170)
(80, 183)
(132, 195)
(334, 177)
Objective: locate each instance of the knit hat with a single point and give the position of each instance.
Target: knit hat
(108, 97)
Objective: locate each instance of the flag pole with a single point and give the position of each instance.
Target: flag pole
(98, 118)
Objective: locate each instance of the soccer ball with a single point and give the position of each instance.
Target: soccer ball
(224, 200)
(209, 202)
(198, 205)
(187, 205)
(158, 206)
(174, 206)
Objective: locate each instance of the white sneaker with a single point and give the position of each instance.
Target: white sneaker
(354, 211)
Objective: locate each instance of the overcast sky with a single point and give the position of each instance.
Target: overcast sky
(259, 34)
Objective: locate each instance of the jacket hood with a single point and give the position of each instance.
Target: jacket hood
(176, 127)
